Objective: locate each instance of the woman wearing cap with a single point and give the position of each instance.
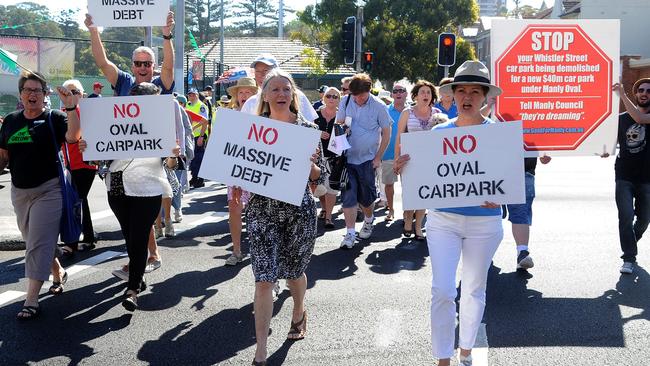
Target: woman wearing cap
(282, 235)
(237, 197)
(420, 117)
(471, 232)
(325, 121)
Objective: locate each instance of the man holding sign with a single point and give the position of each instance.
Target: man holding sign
(471, 232)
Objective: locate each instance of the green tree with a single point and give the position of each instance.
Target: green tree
(29, 19)
(204, 16)
(256, 14)
(403, 34)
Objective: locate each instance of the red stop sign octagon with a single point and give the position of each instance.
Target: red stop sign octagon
(558, 82)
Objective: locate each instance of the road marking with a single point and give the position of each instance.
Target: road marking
(87, 263)
(480, 350)
(9, 296)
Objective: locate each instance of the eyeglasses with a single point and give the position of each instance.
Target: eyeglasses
(398, 91)
(142, 63)
(332, 96)
(75, 92)
(32, 91)
(344, 89)
(642, 90)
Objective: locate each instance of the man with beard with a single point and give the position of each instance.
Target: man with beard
(632, 171)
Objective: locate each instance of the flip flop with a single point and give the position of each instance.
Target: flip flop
(29, 313)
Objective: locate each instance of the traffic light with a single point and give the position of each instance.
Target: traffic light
(368, 57)
(446, 49)
(349, 40)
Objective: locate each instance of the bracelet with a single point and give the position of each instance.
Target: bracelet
(170, 36)
(70, 109)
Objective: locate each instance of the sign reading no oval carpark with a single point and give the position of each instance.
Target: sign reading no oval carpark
(557, 79)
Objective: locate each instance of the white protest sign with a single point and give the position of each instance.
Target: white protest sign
(464, 166)
(262, 156)
(557, 76)
(128, 13)
(129, 127)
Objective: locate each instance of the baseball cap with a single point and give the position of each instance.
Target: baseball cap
(193, 90)
(322, 88)
(267, 59)
(207, 88)
(181, 99)
(97, 84)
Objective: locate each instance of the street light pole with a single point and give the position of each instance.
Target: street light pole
(179, 46)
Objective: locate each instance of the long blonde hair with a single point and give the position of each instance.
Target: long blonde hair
(263, 106)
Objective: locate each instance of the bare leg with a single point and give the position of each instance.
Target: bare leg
(330, 199)
(408, 220)
(167, 207)
(263, 307)
(390, 192)
(235, 225)
(298, 288)
(368, 211)
(350, 215)
(419, 217)
(153, 246)
(521, 233)
(444, 362)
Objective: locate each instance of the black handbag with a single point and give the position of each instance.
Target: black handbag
(116, 182)
(338, 178)
(71, 221)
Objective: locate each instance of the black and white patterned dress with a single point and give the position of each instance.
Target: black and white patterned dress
(281, 235)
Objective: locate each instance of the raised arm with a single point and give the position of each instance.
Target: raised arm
(167, 71)
(637, 115)
(73, 134)
(99, 53)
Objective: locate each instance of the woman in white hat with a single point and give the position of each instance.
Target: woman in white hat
(471, 232)
(237, 197)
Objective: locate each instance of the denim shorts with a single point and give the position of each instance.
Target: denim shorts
(523, 213)
(361, 186)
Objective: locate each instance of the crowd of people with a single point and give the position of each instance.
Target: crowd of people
(142, 192)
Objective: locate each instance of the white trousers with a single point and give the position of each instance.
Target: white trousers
(476, 239)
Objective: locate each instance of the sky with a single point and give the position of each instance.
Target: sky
(56, 6)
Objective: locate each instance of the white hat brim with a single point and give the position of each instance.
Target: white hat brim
(493, 92)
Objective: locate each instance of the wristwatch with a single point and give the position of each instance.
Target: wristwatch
(170, 36)
(73, 108)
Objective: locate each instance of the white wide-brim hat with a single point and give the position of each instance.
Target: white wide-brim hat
(475, 73)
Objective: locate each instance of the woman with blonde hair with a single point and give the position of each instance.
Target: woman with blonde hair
(282, 235)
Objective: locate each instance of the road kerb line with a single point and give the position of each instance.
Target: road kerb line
(9, 296)
(480, 350)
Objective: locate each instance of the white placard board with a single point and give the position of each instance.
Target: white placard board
(128, 127)
(129, 13)
(261, 155)
(556, 76)
(464, 166)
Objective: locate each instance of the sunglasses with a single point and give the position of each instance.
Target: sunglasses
(75, 92)
(332, 96)
(142, 63)
(398, 91)
(642, 90)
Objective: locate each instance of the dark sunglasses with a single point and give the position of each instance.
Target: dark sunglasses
(332, 96)
(142, 63)
(642, 90)
(397, 91)
(75, 92)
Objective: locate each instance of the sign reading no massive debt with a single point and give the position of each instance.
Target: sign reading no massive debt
(128, 13)
(128, 127)
(465, 166)
(557, 77)
(261, 155)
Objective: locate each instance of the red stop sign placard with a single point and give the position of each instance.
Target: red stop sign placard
(558, 82)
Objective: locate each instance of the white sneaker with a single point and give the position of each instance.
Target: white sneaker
(178, 216)
(169, 229)
(366, 230)
(627, 268)
(348, 241)
(524, 260)
(464, 361)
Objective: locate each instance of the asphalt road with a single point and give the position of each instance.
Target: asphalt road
(367, 306)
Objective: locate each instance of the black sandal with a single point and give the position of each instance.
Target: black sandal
(29, 313)
(57, 287)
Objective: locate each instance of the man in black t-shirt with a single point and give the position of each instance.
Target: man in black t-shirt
(632, 171)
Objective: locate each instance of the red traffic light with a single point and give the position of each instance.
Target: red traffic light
(447, 41)
(368, 56)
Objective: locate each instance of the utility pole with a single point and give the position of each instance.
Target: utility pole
(281, 20)
(359, 45)
(221, 68)
(179, 46)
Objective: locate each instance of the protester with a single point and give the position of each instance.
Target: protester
(388, 176)
(282, 235)
(237, 197)
(418, 117)
(325, 121)
(143, 66)
(471, 232)
(632, 171)
(83, 176)
(446, 104)
(368, 121)
(187, 155)
(28, 148)
(321, 92)
(345, 85)
(135, 188)
(97, 90)
(262, 65)
(200, 131)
